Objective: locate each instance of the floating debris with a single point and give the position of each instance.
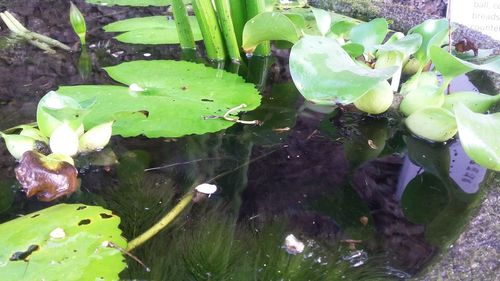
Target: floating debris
(57, 233)
(293, 245)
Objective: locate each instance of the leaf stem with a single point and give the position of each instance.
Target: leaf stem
(239, 16)
(227, 26)
(212, 37)
(184, 30)
(162, 223)
(255, 7)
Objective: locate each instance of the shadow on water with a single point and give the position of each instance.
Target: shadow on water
(369, 201)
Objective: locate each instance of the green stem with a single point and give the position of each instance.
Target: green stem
(226, 23)
(184, 31)
(164, 222)
(212, 37)
(255, 7)
(239, 16)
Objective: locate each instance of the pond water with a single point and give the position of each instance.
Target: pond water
(369, 201)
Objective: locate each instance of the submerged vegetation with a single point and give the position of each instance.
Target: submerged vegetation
(335, 62)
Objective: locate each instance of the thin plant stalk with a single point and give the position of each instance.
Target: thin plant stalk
(227, 26)
(162, 223)
(255, 7)
(184, 30)
(239, 16)
(212, 36)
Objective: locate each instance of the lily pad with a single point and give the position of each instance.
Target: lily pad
(150, 30)
(177, 98)
(63, 242)
(479, 136)
(324, 73)
(135, 3)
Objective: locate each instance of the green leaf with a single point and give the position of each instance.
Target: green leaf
(476, 102)
(324, 73)
(177, 97)
(370, 33)
(268, 26)
(135, 3)
(432, 123)
(342, 28)
(479, 136)
(433, 33)
(451, 66)
(419, 80)
(76, 253)
(323, 20)
(354, 50)
(406, 45)
(433, 157)
(150, 30)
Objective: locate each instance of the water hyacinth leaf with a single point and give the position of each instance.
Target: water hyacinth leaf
(342, 28)
(369, 34)
(269, 26)
(433, 157)
(433, 33)
(60, 239)
(324, 73)
(476, 102)
(17, 145)
(323, 20)
(134, 3)
(419, 80)
(432, 123)
(150, 30)
(479, 136)
(179, 98)
(451, 66)
(422, 97)
(407, 45)
(353, 49)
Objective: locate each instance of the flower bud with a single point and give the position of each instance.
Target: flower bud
(96, 138)
(17, 145)
(64, 140)
(77, 22)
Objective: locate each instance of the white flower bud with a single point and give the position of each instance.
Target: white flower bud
(96, 138)
(64, 140)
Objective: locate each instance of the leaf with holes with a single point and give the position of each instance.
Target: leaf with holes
(150, 30)
(63, 242)
(165, 98)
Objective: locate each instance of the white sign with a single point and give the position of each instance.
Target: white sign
(481, 15)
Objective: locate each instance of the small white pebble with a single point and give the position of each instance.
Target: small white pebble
(57, 233)
(147, 55)
(293, 245)
(206, 188)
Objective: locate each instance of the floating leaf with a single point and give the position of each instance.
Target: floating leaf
(342, 28)
(324, 73)
(63, 242)
(269, 26)
(432, 123)
(179, 98)
(353, 49)
(370, 33)
(479, 136)
(150, 30)
(135, 3)
(433, 33)
(476, 102)
(323, 20)
(451, 66)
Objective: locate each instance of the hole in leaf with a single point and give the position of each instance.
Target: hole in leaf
(105, 216)
(35, 215)
(144, 112)
(24, 255)
(184, 88)
(74, 251)
(81, 208)
(84, 222)
(207, 100)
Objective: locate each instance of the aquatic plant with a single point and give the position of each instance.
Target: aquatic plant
(77, 22)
